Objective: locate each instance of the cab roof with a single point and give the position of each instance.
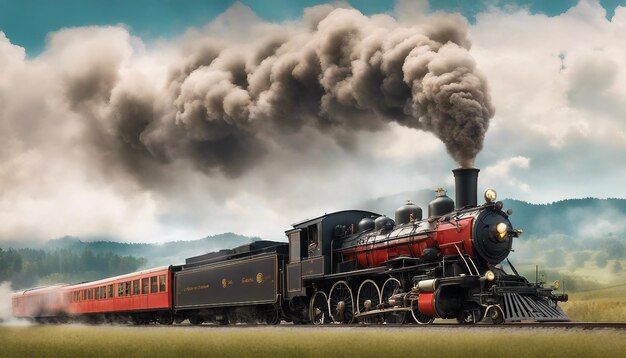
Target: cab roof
(307, 222)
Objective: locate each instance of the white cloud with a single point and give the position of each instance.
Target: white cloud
(558, 85)
(505, 174)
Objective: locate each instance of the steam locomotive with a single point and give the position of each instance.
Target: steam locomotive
(343, 267)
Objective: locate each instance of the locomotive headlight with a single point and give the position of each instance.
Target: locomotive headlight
(502, 229)
(490, 276)
(490, 195)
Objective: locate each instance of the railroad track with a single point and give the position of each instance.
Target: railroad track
(565, 325)
(529, 325)
(439, 325)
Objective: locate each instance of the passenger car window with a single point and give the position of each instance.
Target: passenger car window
(144, 285)
(136, 290)
(103, 292)
(120, 289)
(111, 291)
(97, 293)
(127, 288)
(162, 283)
(153, 284)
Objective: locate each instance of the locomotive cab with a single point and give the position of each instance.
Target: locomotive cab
(311, 243)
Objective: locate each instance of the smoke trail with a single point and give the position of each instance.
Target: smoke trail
(5, 301)
(339, 72)
(6, 311)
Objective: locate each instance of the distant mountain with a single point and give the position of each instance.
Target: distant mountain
(588, 217)
(583, 235)
(70, 259)
(168, 253)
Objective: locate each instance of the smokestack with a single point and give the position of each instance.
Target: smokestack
(465, 187)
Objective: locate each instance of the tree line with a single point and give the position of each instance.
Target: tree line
(26, 268)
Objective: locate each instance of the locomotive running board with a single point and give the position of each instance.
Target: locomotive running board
(526, 308)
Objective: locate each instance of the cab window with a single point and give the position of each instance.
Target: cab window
(312, 233)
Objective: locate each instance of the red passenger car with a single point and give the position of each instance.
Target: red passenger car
(141, 297)
(41, 303)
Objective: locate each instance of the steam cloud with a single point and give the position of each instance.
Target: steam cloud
(6, 310)
(104, 135)
(5, 301)
(99, 134)
(338, 72)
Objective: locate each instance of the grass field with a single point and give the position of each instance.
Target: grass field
(606, 305)
(289, 341)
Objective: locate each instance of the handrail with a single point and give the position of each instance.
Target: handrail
(463, 258)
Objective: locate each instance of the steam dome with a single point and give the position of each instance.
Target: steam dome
(407, 213)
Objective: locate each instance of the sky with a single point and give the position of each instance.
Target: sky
(158, 121)
(27, 23)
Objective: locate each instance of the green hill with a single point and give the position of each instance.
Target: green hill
(168, 253)
(71, 260)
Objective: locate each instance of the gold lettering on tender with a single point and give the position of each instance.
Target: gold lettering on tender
(247, 280)
(196, 288)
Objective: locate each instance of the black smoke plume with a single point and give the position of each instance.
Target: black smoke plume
(337, 72)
